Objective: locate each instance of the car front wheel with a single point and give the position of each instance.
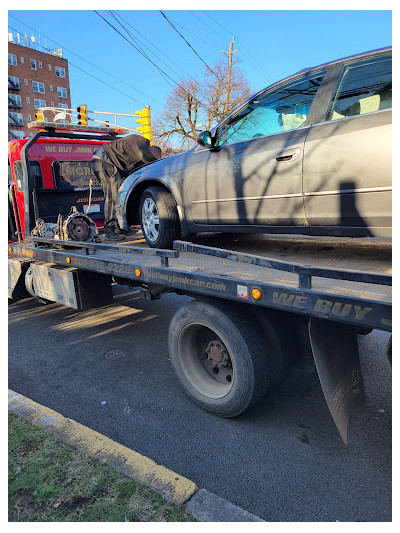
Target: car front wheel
(159, 217)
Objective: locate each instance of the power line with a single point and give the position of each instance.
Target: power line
(136, 48)
(197, 36)
(177, 31)
(82, 70)
(89, 63)
(150, 42)
(202, 21)
(253, 60)
(146, 56)
(114, 14)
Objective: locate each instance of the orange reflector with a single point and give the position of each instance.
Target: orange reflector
(138, 272)
(68, 260)
(256, 294)
(10, 249)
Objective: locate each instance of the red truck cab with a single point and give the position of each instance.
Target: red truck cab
(60, 172)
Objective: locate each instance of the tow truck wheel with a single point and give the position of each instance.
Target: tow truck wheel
(159, 217)
(224, 363)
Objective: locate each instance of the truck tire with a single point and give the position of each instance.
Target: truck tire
(278, 327)
(159, 217)
(221, 359)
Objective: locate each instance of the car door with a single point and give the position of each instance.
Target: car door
(347, 156)
(253, 176)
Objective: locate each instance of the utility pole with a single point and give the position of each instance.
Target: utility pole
(228, 75)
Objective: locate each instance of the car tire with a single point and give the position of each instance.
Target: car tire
(159, 217)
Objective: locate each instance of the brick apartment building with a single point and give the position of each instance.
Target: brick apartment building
(35, 79)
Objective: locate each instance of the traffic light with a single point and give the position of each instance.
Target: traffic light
(39, 116)
(145, 121)
(82, 115)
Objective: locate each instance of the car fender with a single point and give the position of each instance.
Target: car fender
(168, 172)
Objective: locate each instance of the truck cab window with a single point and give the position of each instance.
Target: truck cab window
(36, 171)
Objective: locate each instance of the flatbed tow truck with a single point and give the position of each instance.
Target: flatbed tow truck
(249, 318)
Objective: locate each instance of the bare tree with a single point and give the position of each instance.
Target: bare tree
(198, 104)
(214, 92)
(180, 116)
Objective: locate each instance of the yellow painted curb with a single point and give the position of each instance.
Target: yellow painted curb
(170, 485)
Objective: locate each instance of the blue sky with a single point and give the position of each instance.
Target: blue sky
(108, 74)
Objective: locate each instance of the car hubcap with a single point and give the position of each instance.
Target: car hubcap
(150, 219)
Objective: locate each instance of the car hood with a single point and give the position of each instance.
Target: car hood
(155, 170)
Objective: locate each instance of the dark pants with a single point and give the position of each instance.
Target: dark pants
(111, 181)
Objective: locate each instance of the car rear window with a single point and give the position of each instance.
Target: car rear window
(74, 175)
(363, 87)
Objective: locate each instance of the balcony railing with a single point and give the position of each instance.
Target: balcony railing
(13, 135)
(13, 85)
(15, 121)
(14, 102)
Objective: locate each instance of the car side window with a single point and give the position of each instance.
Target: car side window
(282, 109)
(363, 87)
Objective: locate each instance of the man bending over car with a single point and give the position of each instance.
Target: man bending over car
(112, 163)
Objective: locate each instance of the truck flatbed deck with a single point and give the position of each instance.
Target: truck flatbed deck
(360, 298)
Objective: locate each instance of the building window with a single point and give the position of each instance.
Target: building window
(49, 67)
(39, 103)
(22, 60)
(33, 64)
(60, 72)
(62, 106)
(13, 83)
(40, 64)
(61, 92)
(38, 87)
(16, 119)
(12, 59)
(28, 100)
(52, 104)
(26, 82)
(14, 100)
(51, 88)
(17, 134)
(29, 117)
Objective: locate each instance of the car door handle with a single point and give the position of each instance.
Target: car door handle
(288, 155)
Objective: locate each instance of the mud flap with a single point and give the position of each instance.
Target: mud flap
(337, 360)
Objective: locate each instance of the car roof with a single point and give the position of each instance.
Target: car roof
(346, 58)
(255, 95)
(313, 69)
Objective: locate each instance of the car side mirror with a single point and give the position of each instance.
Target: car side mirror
(205, 139)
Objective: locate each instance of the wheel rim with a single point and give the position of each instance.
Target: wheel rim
(210, 372)
(150, 220)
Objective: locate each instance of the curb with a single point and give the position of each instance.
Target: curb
(204, 506)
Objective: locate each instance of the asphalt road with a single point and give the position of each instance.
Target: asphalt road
(283, 461)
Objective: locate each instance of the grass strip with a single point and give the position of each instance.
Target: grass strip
(51, 481)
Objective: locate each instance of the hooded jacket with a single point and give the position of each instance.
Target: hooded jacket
(129, 153)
